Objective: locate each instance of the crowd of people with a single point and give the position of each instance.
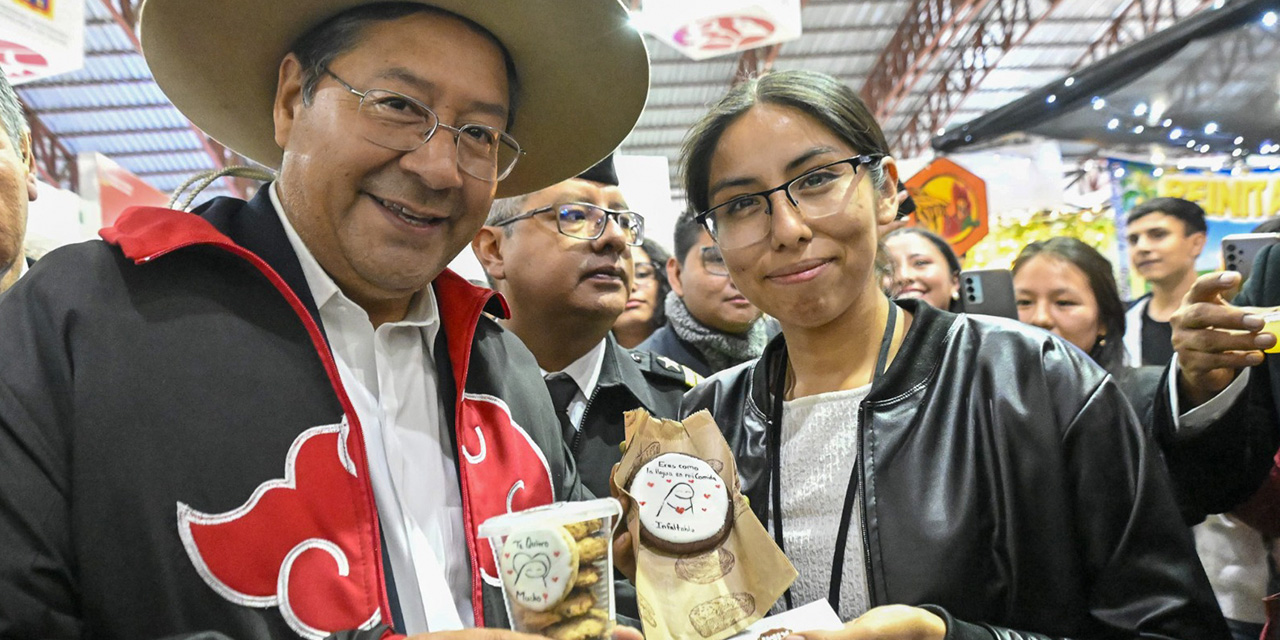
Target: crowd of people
(285, 417)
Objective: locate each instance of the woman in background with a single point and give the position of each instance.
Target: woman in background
(1067, 288)
(645, 311)
(924, 267)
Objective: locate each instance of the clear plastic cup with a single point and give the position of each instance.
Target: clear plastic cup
(556, 567)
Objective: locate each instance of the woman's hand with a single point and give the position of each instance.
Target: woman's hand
(891, 622)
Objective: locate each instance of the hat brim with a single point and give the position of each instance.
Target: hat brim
(583, 72)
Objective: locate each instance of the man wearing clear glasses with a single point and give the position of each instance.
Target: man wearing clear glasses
(562, 259)
(284, 417)
(710, 326)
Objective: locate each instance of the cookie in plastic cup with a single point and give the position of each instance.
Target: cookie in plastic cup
(556, 567)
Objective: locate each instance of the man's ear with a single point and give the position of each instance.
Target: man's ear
(487, 246)
(29, 159)
(1198, 240)
(289, 98)
(887, 198)
(673, 276)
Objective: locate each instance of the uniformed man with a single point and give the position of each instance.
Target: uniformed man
(562, 258)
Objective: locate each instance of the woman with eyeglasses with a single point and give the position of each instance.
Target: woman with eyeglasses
(930, 475)
(644, 312)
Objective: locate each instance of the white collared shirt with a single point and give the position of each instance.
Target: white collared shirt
(390, 375)
(585, 371)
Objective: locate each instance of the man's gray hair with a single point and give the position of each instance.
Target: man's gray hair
(505, 209)
(15, 123)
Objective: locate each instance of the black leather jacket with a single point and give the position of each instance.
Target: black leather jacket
(1006, 485)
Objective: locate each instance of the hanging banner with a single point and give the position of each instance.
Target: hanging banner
(709, 28)
(1232, 204)
(40, 38)
(951, 202)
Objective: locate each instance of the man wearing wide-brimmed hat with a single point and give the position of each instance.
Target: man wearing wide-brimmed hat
(284, 417)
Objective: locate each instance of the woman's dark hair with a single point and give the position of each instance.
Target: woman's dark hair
(821, 96)
(658, 256)
(1108, 351)
(943, 247)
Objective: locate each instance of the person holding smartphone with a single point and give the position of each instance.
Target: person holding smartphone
(980, 476)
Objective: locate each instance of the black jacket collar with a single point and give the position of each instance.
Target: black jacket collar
(618, 370)
(928, 326)
(255, 226)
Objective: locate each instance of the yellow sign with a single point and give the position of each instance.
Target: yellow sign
(1225, 196)
(951, 202)
(42, 7)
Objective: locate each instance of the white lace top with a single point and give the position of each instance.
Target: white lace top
(819, 448)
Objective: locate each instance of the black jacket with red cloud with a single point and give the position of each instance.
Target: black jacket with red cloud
(178, 454)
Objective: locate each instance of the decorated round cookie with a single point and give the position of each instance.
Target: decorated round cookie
(683, 504)
(539, 567)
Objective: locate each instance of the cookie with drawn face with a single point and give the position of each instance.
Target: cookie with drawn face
(539, 567)
(683, 504)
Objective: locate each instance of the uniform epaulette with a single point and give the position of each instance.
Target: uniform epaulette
(663, 367)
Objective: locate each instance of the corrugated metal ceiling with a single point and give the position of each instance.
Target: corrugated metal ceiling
(112, 106)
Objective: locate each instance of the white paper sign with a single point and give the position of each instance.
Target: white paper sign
(815, 616)
(710, 28)
(41, 38)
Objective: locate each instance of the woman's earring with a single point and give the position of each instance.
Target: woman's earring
(1102, 340)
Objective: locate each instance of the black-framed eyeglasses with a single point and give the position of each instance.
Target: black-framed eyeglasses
(587, 221)
(816, 193)
(401, 123)
(713, 261)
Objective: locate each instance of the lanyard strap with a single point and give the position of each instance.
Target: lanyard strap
(774, 446)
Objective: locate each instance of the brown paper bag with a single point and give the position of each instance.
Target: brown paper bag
(714, 594)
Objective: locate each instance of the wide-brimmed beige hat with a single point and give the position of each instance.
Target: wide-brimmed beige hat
(583, 72)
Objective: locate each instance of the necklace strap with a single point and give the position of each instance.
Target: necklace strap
(774, 449)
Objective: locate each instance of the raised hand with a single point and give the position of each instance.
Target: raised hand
(1214, 339)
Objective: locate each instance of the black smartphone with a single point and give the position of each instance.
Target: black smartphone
(988, 292)
(1239, 250)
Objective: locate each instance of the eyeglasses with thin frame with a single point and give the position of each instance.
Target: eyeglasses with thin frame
(646, 270)
(816, 193)
(398, 122)
(713, 261)
(587, 221)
